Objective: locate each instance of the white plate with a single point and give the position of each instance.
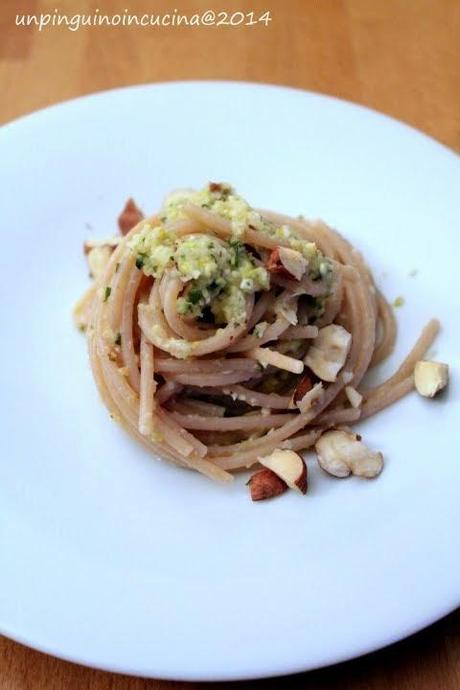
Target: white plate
(115, 560)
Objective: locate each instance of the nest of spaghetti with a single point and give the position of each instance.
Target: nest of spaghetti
(219, 333)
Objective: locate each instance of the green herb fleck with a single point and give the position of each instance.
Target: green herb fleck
(118, 339)
(237, 247)
(194, 296)
(107, 292)
(399, 302)
(140, 261)
(117, 267)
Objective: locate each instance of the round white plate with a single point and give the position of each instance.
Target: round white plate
(115, 560)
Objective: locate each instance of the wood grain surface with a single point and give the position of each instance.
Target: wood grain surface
(401, 57)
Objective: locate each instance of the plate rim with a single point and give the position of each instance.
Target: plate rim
(231, 82)
(279, 672)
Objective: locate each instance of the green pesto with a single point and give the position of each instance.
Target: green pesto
(217, 274)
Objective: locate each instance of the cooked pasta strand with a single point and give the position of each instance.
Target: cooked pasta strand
(195, 381)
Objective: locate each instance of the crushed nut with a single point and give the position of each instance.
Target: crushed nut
(342, 453)
(310, 397)
(430, 377)
(287, 262)
(129, 217)
(98, 258)
(215, 187)
(293, 261)
(289, 466)
(266, 484)
(303, 387)
(111, 242)
(328, 352)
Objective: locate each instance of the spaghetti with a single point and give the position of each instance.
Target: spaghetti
(218, 333)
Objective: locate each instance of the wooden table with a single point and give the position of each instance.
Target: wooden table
(399, 56)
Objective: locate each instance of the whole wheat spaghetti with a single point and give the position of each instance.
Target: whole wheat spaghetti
(218, 333)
